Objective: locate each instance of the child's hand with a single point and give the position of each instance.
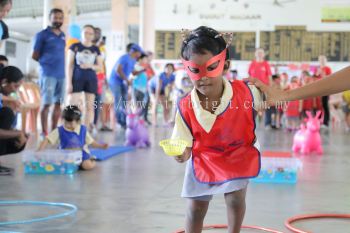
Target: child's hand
(85, 66)
(104, 146)
(21, 140)
(184, 157)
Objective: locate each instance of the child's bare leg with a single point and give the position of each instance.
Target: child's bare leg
(273, 119)
(154, 109)
(347, 119)
(235, 203)
(166, 110)
(278, 120)
(88, 164)
(104, 115)
(196, 212)
(296, 124)
(89, 109)
(288, 123)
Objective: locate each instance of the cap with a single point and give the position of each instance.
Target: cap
(136, 48)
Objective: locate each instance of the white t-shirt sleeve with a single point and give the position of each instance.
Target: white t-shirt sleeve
(53, 137)
(181, 131)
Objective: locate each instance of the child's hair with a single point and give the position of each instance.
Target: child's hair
(305, 72)
(3, 58)
(294, 79)
(89, 26)
(201, 40)
(71, 113)
(143, 55)
(11, 73)
(275, 76)
(170, 65)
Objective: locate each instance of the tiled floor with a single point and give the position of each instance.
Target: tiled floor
(139, 191)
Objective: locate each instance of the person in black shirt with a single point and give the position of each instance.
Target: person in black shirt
(11, 140)
(84, 60)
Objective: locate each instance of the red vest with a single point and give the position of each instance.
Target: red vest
(227, 152)
(293, 109)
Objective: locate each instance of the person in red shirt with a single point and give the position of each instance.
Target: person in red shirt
(260, 69)
(293, 107)
(148, 67)
(324, 71)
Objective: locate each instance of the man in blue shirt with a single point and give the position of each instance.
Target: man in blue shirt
(49, 49)
(119, 80)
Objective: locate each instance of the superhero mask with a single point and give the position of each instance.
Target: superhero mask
(196, 72)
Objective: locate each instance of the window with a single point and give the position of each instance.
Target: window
(133, 34)
(133, 2)
(10, 49)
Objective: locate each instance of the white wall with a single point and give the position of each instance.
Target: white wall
(22, 51)
(227, 15)
(300, 12)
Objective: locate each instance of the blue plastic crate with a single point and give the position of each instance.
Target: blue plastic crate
(51, 162)
(277, 176)
(278, 170)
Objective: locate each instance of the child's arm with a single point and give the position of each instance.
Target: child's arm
(91, 142)
(51, 139)
(95, 144)
(43, 144)
(185, 156)
(182, 132)
(300, 105)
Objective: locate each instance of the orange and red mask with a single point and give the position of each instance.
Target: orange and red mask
(196, 72)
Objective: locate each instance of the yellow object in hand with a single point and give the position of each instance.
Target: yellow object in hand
(173, 147)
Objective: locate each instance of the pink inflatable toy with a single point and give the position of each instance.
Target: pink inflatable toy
(308, 139)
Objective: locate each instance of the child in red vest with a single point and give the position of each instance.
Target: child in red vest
(294, 108)
(217, 120)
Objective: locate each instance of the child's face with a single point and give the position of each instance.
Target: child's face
(205, 85)
(88, 34)
(260, 54)
(169, 70)
(71, 125)
(277, 80)
(144, 60)
(8, 88)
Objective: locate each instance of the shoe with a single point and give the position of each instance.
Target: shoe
(94, 132)
(5, 171)
(106, 129)
(169, 124)
(93, 157)
(42, 136)
(268, 127)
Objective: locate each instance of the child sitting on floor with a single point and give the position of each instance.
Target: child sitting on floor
(73, 135)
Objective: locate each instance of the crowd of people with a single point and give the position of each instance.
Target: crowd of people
(77, 77)
(290, 115)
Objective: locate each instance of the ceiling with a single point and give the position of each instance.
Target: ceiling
(35, 8)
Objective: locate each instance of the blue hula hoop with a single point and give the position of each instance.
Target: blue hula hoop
(73, 210)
